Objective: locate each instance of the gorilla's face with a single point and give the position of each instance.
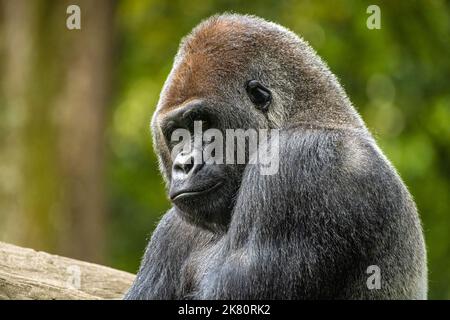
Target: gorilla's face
(204, 184)
(222, 81)
(203, 191)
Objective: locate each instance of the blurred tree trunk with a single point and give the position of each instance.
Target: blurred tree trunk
(81, 109)
(16, 41)
(56, 82)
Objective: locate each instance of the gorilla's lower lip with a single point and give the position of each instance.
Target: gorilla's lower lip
(193, 193)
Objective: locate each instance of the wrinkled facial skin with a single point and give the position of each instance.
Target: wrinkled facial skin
(229, 79)
(204, 193)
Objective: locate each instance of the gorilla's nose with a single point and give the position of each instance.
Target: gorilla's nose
(183, 167)
(185, 164)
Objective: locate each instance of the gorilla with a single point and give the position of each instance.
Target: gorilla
(334, 210)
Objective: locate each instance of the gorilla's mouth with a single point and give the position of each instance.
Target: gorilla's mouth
(185, 193)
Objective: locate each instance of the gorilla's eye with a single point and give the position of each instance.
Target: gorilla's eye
(259, 95)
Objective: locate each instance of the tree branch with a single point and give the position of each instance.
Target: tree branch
(29, 274)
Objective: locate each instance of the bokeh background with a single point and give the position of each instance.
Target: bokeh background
(78, 176)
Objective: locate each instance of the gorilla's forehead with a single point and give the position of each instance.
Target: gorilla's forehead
(217, 57)
(200, 75)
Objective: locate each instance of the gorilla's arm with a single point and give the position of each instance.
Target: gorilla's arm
(333, 209)
(168, 249)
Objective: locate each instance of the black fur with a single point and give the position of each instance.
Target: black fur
(335, 207)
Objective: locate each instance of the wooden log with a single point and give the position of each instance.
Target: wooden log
(30, 274)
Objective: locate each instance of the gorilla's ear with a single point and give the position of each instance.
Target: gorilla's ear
(259, 95)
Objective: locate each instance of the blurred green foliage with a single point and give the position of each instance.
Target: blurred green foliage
(397, 77)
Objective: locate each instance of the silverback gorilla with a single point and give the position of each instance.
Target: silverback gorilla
(335, 207)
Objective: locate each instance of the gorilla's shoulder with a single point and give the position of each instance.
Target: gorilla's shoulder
(329, 144)
(318, 155)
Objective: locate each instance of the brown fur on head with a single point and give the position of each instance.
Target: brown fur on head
(221, 54)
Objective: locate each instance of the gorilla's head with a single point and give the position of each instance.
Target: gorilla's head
(237, 72)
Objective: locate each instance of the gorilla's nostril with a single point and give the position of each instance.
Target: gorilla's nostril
(187, 163)
(183, 164)
(196, 168)
(186, 168)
